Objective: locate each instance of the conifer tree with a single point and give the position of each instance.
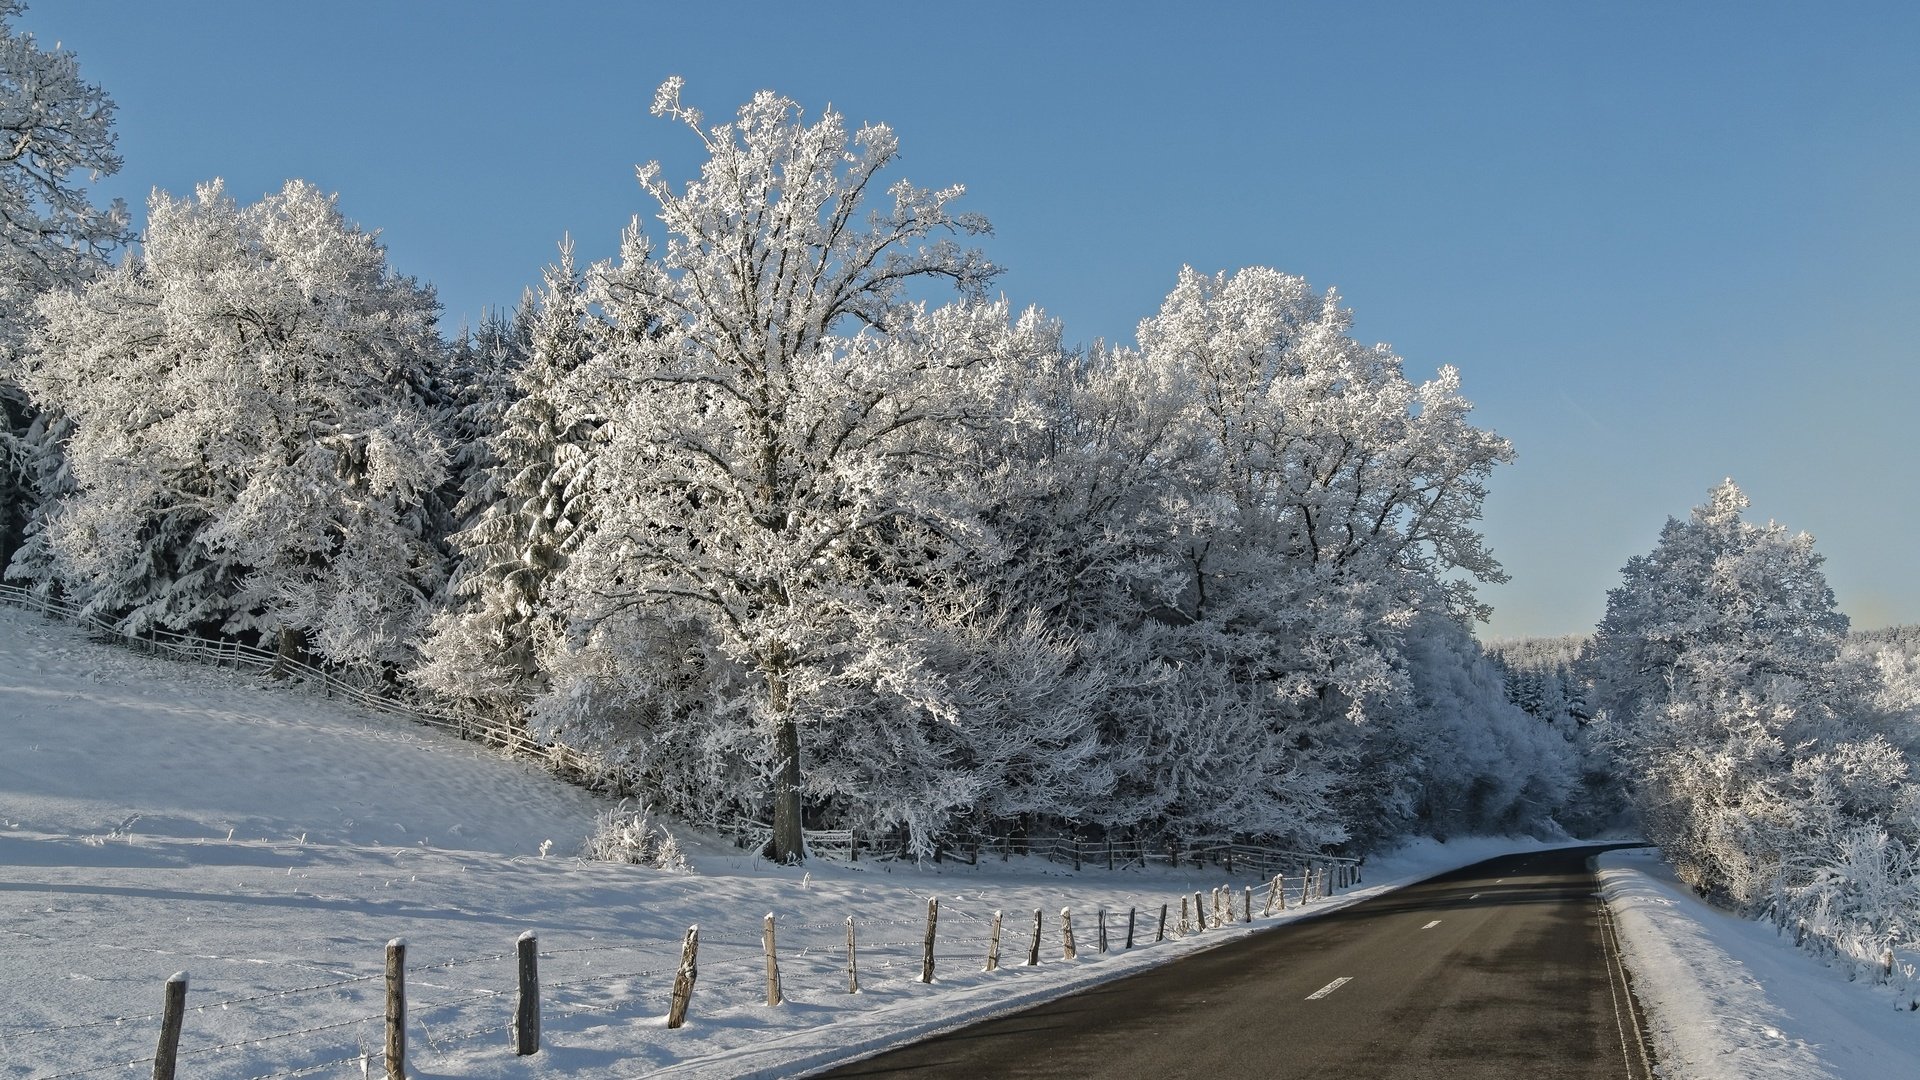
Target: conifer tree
(530, 505)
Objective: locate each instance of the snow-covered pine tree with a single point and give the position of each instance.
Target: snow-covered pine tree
(528, 507)
(54, 129)
(251, 452)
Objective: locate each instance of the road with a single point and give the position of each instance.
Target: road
(1503, 969)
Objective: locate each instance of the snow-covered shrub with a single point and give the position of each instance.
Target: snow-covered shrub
(627, 833)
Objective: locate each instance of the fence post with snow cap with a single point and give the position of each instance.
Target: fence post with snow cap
(1247, 908)
(853, 971)
(933, 920)
(1033, 953)
(397, 1009)
(773, 961)
(526, 1013)
(684, 979)
(1066, 934)
(173, 1014)
(993, 944)
(1274, 891)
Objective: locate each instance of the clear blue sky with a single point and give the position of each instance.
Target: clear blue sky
(1664, 243)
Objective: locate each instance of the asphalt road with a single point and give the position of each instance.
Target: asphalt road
(1504, 969)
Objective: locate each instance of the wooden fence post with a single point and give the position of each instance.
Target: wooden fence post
(993, 944)
(1076, 853)
(773, 961)
(1109, 852)
(1066, 934)
(1273, 891)
(933, 920)
(172, 1015)
(1130, 914)
(683, 980)
(397, 1009)
(1199, 913)
(1215, 897)
(1033, 954)
(526, 1013)
(1247, 907)
(853, 971)
(1163, 920)
(1103, 929)
(1229, 858)
(1185, 927)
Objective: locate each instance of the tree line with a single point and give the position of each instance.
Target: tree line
(782, 511)
(781, 508)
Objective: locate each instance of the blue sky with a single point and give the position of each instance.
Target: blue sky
(1664, 243)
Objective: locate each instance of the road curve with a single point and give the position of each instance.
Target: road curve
(1505, 969)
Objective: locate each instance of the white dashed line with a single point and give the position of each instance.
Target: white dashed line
(1431, 925)
(1475, 896)
(1330, 988)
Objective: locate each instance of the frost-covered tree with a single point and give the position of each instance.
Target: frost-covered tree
(1756, 758)
(251, 451)
(529, 504)
(1326, 501)
(768, 462)
(56, 134)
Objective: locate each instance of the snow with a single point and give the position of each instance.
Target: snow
(1727, 998)
(157, 817)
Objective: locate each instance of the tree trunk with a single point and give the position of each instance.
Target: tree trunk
(788, 844)
(287, 652)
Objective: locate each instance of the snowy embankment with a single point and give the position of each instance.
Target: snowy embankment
(156, 817)
(1727, 999)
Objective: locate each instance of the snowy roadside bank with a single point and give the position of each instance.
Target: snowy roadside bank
(1727, 1000)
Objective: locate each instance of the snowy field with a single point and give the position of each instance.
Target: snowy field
(1728, 1000)
(156, 817)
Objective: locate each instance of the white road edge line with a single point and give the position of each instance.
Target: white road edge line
(1330, 988)
(1431, 925)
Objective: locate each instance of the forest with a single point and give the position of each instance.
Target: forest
(782, 515)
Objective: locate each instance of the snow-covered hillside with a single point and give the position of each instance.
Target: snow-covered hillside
(156, 817)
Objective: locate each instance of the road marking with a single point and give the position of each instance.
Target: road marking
(1475, 896)
(1431, 925)
(1330, 988)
